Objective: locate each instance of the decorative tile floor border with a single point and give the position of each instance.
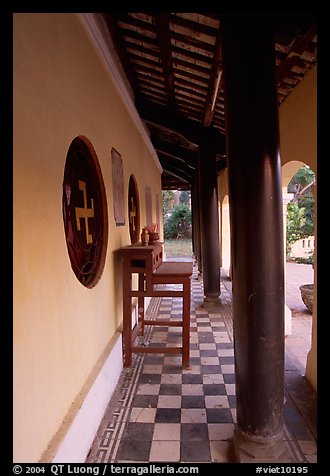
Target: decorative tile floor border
(111, 428)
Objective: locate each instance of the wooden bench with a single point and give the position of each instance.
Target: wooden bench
(152, 272)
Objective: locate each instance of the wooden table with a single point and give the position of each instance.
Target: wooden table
(147, 262)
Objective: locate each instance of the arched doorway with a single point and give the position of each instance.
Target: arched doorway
(225, 235)
(299, 268)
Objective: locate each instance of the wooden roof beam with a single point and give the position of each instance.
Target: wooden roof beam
(193, 25)
(188, 128)
(129, 20)
(164, 118)
(188, 85)
(112, 25)
(296, 49)
(175, 171)
(193, 55)
(191, 66)
(215, 84)
(188, 40)
(139, 60)
(181, 154)
(163, 32)
(170, 182)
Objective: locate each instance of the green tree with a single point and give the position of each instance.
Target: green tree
(306, 202)
(178, 224)
(295, 220)
(167, 202)
(184, 197)
(300, 211)
(301, 181)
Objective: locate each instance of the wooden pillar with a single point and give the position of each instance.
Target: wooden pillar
(196, 223)
(255, 190)
(209, 218)
(193, 224)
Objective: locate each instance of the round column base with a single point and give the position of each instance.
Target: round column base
(259, 450)
(211, 303)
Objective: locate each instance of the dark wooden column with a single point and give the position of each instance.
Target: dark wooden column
(209, 218)
(254, 169)
(196, 222)
(193, 225)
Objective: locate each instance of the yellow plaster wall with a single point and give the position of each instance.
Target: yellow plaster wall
(311, 364)
(223, 197)
(61, 90)
(298, 126)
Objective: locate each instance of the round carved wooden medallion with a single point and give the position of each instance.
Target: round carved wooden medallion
(133, 210)
(85, 212)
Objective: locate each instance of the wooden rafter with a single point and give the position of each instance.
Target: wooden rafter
(165, 118)
(170, 182)
(215, 84)
(173, 64)
(143, 25)
(182, 154)
(191, 66)
(189, 129)
(163, 31)
(191, 25)
(200, 45)
(293, 57)
(118, 43)
(192, 54)
(176, 170)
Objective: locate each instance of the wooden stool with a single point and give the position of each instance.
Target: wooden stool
(172, 272)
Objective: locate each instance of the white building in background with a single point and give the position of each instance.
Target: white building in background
(303, 248)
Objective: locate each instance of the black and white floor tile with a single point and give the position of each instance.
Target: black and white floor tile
(161, 412)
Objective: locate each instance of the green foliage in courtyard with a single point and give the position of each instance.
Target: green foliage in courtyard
(300, 211)
(178, 224)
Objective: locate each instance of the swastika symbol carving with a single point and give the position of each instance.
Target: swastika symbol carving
(85, 212)
(132, 214)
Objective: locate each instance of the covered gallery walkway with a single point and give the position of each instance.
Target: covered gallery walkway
(163, 413)
(109, 110)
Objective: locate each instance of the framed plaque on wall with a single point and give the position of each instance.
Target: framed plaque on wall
(118, 188)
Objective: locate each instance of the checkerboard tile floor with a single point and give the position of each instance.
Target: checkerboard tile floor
(161, 412)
